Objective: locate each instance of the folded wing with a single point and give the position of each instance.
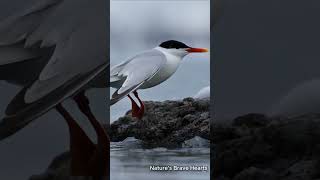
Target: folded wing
(76, 30)
(135, 72)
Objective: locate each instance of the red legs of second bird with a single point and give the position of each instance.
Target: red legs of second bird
(87, 159)
(83, 104)
(136, 110)
(100, 160)
(81, 147)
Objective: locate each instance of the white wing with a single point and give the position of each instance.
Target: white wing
(20, 114)
(75, 30)
(114, 71)
(136, 71)
(80, 44)
(18, 20)
(73, 27)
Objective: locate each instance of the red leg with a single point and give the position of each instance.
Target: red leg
(134, 107)
(141, 111)
(99, 162)
(81, 147)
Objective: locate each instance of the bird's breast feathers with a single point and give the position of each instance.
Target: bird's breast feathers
(166, 71)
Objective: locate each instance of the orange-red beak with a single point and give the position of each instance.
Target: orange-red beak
(197, 50)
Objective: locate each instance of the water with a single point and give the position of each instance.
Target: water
(129, 160)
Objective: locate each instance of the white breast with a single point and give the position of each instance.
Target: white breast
(166, 71)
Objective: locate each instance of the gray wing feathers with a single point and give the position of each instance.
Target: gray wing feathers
(76, 30)
(74, 27)
(20, 25)
(17, 28)
(20, 114)
(16, 53)
(82, 50)
(115, 70)
(136, 71)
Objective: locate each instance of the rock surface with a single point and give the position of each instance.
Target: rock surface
(166, 124)
(256, 147)
(57, 170)
(196, 142)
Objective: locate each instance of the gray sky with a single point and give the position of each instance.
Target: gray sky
(262, 50)
(139, 24)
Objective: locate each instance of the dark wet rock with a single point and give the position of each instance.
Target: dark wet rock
(251, 120)
(166, 124)
(277, 148)
(304, 169)
(254, 173)
(222, 178)
(57, 170)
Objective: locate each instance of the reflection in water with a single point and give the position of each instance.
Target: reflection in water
(129, 160)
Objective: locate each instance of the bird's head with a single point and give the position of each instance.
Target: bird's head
(180, 49)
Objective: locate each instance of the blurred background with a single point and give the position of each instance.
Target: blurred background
(262, 50)
(30, 151)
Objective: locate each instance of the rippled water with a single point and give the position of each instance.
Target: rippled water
(129, 160)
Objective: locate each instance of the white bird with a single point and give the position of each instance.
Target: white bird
(56, 49)
(147, 70)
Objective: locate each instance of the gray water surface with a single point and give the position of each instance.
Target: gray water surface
(131, 161)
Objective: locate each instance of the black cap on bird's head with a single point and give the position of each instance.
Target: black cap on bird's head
(173, 44)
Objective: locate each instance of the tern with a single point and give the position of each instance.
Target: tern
(146, 70)
(54, 50)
